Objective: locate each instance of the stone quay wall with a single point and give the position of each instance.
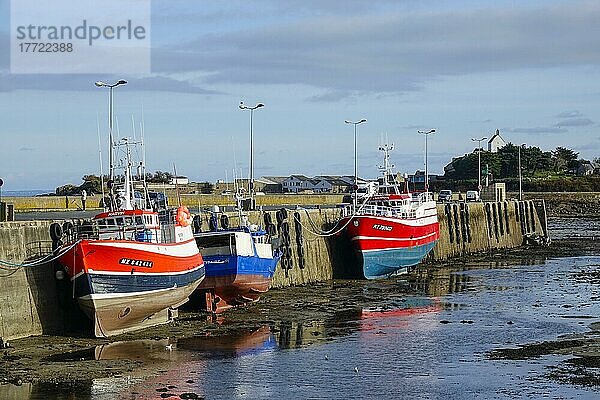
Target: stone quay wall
(30, 300)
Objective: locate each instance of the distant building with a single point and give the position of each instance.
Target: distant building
(333, 184)
(496, 142)
(298, 183)
(585, 168)
(270, 184)
(416, 181)
(180, 180)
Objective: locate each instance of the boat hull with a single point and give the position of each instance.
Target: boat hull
(121, 313)
(388, 246)
(236, 280)
(123, 286)
(387, 262)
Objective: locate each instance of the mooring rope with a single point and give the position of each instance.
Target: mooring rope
(8, 265)
(333, 231)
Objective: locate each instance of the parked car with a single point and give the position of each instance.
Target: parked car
(472, 195)
(445, 196)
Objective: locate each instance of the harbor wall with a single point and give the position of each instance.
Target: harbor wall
(28, 295)
(316, 263)
(192, 201)
(467, 228)
(30, 301)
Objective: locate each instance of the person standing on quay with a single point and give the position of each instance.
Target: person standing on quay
(83, 198)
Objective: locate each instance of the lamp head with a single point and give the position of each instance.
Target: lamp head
(121, 82)
(259, 105)
(362, 120)
(99, 84)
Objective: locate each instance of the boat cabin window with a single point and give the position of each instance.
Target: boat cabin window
(110, 222)
(128, 221)
(138, 220)
(101, 223)
(207, 242)
(120, 221)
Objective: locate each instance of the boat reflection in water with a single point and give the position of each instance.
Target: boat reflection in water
(381, 318)
(196, 366)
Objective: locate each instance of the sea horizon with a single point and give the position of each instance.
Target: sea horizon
(26, 193)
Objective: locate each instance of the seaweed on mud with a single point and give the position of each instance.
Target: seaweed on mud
(581, 371)
(534, 350)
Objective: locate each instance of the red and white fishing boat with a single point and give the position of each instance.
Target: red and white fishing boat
(130, 266)
(393, 228)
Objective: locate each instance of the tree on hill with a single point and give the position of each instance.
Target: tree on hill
(91, 184)
(159, 177)
(505, 163)
(206, 188)
(564, 159)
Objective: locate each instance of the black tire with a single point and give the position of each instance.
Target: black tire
(285, 228)
(284, 213)
(67, 227)
(197, 223)
(212, 223)
(301, 262)
(279, 217)
(271, 230)
(224, 221)
(55, 231)
(267, 218)
(286, 238)
(56, 244)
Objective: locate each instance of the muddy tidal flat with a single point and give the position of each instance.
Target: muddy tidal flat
(518, 324)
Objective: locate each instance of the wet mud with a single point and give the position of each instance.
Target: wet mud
(303, 317)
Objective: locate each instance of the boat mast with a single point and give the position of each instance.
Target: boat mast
(100, 156)
(128, 183)
(386, 167)
(110, 136)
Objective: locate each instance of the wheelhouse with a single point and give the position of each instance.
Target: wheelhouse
(138, 225)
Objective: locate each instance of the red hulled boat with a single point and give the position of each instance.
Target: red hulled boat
(130, 266)
(393, 228)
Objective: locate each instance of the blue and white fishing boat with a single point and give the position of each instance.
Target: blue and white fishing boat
(240, 261)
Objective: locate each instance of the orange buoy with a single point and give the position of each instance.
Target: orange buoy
(183, 217)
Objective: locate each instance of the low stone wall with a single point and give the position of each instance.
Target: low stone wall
(568, 204)
(192, 201)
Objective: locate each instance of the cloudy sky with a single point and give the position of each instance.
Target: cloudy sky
(465, 68)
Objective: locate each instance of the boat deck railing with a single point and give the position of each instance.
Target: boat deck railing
(404, 211)
(382, 211)
(138, 233)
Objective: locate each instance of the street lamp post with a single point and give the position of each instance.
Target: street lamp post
(479, 162)
(110, 129)
(251, 181)
(520, 185)
(355, 161)
(429, 132)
